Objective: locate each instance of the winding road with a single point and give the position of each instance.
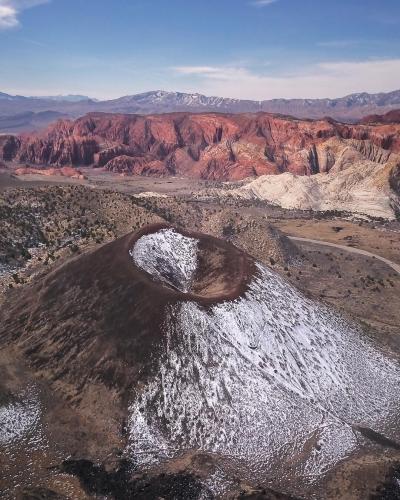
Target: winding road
(393, 265)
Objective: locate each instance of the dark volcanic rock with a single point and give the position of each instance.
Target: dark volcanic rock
(390, 488)
(39, 494)
(120, 485)
(9, 146)
(266, 494)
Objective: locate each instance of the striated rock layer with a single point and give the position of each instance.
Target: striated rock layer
(208, 146)
(362, 178)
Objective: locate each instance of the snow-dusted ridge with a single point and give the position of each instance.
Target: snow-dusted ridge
(272, 382)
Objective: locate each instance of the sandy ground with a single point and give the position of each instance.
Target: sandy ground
(137, 184)
(99, 179)
(374, 238)
(348, 249)
(362, 287)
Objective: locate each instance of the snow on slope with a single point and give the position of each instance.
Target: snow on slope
(19, 417)
(168, 256)
(273, 382)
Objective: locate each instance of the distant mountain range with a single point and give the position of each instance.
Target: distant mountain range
(57, 98)
(65, 98)
(29, 121)
(350, 108)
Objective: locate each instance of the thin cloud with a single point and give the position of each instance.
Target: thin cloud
(263, 3)
(30, 41)
(10, 10)
(325, 79)
(8, 17)
(214, 72)
(197, 70)
(338, 44)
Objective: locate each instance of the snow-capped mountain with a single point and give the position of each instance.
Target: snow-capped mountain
(179, 101)
(348, 109)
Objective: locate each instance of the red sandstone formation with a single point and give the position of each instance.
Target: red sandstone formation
(208, 146)
(74, 173)
(135, 165)
(390, 117)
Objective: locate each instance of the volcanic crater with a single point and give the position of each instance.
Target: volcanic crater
(191, 346)
(196, 266)
(111, 308)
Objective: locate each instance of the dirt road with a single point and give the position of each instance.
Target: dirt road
(391, 264)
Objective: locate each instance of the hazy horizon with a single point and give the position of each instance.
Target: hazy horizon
(153, 91)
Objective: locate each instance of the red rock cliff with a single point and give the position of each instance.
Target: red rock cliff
(209, 146)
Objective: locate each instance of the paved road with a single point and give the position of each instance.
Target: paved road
(391, 264)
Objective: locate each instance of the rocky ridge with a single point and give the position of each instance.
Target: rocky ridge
(208, 146)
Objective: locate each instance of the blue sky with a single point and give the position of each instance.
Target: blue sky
(255, 49)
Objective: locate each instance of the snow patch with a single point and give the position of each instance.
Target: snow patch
(19, 418)
(167, 256)
(150, 194)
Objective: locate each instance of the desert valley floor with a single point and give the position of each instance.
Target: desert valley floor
(181, 403)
